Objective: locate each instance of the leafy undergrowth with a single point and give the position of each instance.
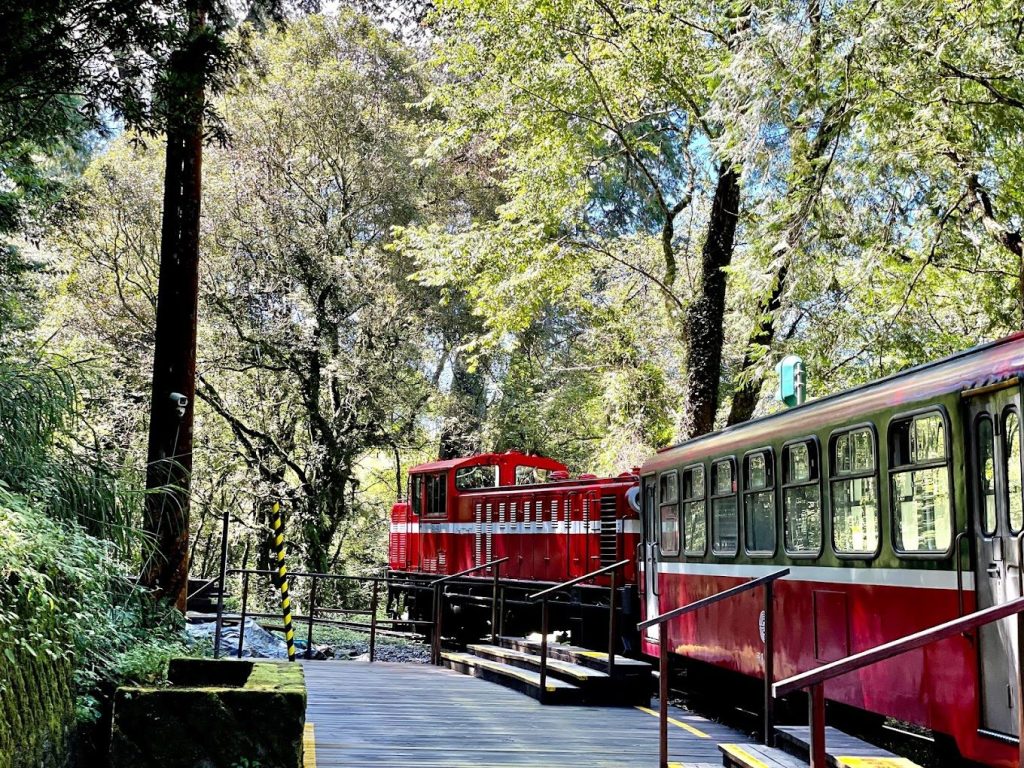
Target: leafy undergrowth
(68, 609)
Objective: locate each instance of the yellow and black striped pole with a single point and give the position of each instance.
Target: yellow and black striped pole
(282, 576)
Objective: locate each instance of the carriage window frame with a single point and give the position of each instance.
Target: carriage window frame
(769, 487)
(892, 469)
(1004, 416)
(648, 507)
(814, 444)
(713, 496)
(662, 505)
(834, 476)
(978, 470)
(687, 500)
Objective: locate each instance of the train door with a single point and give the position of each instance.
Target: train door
(649, 524)
(997, 506)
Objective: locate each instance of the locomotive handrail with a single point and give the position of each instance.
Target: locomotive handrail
(958, 559)
(612, 623)
(474, 569)
(767, 582)
(573, 582)
(496, 616)
(815, 679)
(1020, 563)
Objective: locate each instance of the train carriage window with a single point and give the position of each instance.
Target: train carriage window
(854, 485)
(986, 471)
(481, 476)
(801, 498)
(922, 515)
(695, 521)
(669, 513)
(724, 523)
(759, 503)
(1014, 489)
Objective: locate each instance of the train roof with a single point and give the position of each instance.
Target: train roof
(977, 367)
(513, 458)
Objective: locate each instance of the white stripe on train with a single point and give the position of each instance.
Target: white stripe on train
(577, 526)
(868, 576)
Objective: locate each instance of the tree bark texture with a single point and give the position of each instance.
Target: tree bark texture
(706, 315)
(169, 464)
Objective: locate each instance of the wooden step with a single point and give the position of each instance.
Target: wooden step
(624, 666)
(523, 680)
(757, 756)
(841, 749)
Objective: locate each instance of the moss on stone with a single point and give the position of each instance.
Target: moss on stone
(36, 710)
(255, 715)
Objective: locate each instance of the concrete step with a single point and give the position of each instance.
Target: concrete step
(523, 680)
(757, 756)
(624, 666)
(841, 749)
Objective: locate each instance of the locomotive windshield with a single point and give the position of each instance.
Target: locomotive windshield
(530, 475)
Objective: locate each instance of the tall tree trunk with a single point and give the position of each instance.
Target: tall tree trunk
(169, 464)
(706, 315)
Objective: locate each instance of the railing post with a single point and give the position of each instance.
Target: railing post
(663, 697)
(769, 663)
(223, 579)
(245, 601)
(501, 613)
(373, 619)
(438, 621)
(312, 613)
(494, 606)
(612, 628)
(543, 649)
(817, 721)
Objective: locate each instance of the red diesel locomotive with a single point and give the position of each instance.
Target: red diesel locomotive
(465, 512)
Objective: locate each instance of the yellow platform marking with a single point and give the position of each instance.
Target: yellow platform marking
(739, 753)
(677, 723)
(876, 762)
(308, 746)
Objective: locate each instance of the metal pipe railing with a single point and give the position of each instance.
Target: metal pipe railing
(543, 596)
(374, 581)
(436, 584)
(815, 679)
(767, 582)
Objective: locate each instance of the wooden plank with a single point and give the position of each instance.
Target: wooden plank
(385, 714)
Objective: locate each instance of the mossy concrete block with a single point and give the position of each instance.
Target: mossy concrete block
(215, 714)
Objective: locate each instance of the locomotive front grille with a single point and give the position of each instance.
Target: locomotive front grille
(609, 535)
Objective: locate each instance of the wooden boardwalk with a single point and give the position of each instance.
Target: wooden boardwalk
(396, 715)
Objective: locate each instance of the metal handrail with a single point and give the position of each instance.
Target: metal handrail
(435, 648)
(612, 623)
(815, 679)
(474, 569)
(767, 582)
(311, 618)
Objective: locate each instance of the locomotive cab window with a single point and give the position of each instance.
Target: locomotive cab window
(668, 536)
(530, 475)
(922, 513)
(801, 498)
(724, 523)
(435, 497)
(759, 503)
(695, 521)
(854, 486)
(481, 476)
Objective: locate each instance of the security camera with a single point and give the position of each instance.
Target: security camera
(180, 402)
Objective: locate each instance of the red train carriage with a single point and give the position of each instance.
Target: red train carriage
(466, 512)
(897, 506)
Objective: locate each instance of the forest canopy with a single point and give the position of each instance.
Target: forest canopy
(583, 229)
